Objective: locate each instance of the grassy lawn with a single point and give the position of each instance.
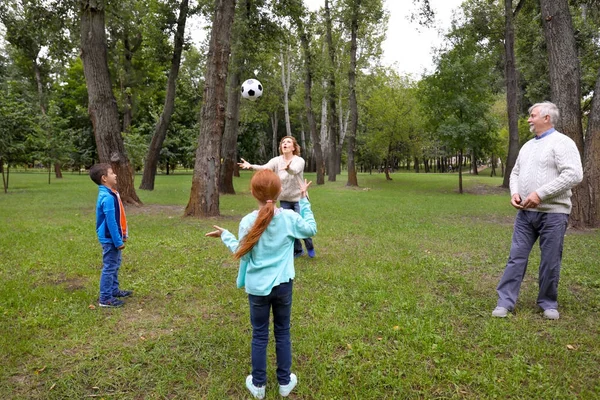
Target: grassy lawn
(396, 305)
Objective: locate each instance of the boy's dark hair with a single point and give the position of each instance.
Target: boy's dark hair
(97, 171)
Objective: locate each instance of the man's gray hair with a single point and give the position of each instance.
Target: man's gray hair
(547, 108)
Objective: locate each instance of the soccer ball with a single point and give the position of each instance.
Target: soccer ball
(251, 89)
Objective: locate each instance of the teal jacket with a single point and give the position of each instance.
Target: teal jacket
(271, 260)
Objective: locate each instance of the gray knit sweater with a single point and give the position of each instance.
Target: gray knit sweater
(550, 166)
(290, 178)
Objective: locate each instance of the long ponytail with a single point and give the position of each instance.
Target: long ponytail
(266, 186)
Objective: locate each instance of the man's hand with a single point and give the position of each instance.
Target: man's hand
(532, 201)
(515, 201)
(216, 233)
(244, 164)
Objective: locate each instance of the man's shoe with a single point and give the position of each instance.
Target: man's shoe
(257, 392)
(111, 303)
(296, 255)
(500, 312)
(311, 253)
(551, 313)
(285, 390)
(123, 293)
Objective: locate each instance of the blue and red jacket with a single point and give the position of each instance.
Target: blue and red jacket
(111, 224)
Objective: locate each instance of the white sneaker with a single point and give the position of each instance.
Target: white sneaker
(500, 312)
(285, 390)
(551, 313)
(257, 392)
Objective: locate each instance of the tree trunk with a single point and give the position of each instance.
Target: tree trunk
(102, 106)
(42, 101)
(460, 177)
(332, 166)
(312, 126)
(229, 144)
(130, 46)
(565, 82)
(510, 74)
(204, 195)
(57, 171)
(160, 131)
(586, 207)
(474, 162)
(324, 134)
(388, 162)
(564, 67)
(352, 176)
(274, 128)
(4, 181)
(286, 76)
(343, 125)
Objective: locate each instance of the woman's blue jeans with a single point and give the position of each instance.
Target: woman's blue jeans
(109, 281)
(294, 205)
(280, 300)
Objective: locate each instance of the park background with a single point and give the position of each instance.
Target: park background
(410, 176)
(397, 303)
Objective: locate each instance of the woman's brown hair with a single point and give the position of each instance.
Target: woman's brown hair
(265, 186)
(297, 148)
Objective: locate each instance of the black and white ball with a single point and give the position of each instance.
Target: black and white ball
(251, 89)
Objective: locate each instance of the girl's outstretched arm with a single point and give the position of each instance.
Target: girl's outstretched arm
(216, 233)
(304, 188)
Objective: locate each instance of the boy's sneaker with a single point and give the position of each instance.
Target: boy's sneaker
(123, 293)
(285, 390)
(296, 255)
(311, 253)
(500, 312)
(111, 303)
(257, 392)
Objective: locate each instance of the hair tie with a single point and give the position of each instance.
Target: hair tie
(269, 201)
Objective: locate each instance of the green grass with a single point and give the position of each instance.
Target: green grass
(395, 306)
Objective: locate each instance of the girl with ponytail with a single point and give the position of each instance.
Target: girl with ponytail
(266, 252)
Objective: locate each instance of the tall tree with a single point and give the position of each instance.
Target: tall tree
(32, 26)
(363, 21)
(309, 71)
(255, 36)
(587, 213)
(102, 106)
(160, 131)
(510, 76)
(565, 75)
(565, 83)
(331, 98)
(204, 195)
(352, 174)
(458, 99)
(230, 134)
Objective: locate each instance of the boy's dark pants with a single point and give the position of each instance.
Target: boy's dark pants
(111, 262)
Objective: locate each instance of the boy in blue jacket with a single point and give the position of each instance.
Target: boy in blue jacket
(111, 227)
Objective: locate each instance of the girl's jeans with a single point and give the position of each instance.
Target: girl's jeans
(109, 281)
(280, 299)
(294, 205)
